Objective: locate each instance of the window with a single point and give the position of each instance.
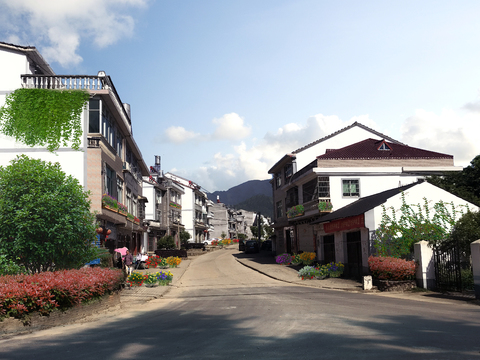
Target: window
(279, 209)
(288, 172)
(135, 205)
(292, 197)
(129, 201)
(316, 188)
(323, 187)
(94, 116)
(351, 188)
(120, 190)
(119, 145)
(278, 180)
(110, 186)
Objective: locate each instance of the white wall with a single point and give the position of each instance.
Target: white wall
(72, 162)
(416, 194)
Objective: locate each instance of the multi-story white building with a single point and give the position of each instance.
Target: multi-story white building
(336, 171)
(109, 163)
(195, 208)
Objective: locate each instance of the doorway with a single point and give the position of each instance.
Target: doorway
(353, 266)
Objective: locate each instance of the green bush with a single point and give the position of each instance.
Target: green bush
(167, 242)
(9, 267)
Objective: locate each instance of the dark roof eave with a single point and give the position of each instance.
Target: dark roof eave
(363, 205)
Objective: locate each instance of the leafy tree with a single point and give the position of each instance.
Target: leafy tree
(242, 236)
(167, 242)
(223, 235)
(464, 184)
(397, 235)
(44, 117)
(184, 237)
(466, 231)
(45, 218)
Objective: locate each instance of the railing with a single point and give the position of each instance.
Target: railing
(68, 82)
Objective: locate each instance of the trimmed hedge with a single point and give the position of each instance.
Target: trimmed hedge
(43, 292)
(390, 268)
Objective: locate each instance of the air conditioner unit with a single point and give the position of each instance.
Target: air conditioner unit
(126, 166)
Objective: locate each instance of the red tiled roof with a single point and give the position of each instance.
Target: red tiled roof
(369, 149)
(343, 130)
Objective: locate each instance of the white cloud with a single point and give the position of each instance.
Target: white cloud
(178, 134)
(57, 27)
(230, 127)
(451, 132)
(248, 161)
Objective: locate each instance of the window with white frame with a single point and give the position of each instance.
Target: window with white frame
(351, 187)
(120, 190)
(129, 201)
(279, 209)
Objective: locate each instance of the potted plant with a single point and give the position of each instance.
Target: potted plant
(150, 279)
(173, 261)
(109, 203)
(296, 259)
(325, 206)
(322, 272)
(294, 211)
(335, 269)
(122, 209)
(308, 272)
(135, 279)
(307, 258)
(284, 259)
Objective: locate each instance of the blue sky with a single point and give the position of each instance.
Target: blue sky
(222, 89)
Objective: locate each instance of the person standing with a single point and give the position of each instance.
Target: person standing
(128, 262)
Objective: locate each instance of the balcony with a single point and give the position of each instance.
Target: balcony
(322, 206)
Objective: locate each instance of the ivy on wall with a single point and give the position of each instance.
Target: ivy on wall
(44, 117)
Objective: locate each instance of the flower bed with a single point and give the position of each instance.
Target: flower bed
(21, 295)
(307, 258)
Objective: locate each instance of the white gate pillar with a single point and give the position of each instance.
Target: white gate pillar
(475, 248)
(426, 269)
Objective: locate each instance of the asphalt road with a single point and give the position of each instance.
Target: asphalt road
(224, 310)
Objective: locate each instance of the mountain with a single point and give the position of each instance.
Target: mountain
(258, 203)
(253, 195)
(242, 192)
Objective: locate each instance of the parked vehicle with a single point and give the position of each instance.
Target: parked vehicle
(267, 245)
(251, 246)
(241, 245)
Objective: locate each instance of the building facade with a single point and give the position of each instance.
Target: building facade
(109, 163)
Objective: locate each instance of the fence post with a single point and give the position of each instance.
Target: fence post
(475, 248)
(426, 268)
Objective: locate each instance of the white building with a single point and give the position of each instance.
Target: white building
(337, 170)
(195, 209)
(109, 161)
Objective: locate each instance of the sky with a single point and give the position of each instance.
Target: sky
(222, 89)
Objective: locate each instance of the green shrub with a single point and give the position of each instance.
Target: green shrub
(167, 242)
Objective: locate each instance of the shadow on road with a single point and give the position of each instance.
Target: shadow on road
(199, 334)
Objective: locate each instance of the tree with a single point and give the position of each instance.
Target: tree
(167, 242)
(466, 231)
(223, 235)
(396, 236)
(464, 184)
(184, 237)
(45, 218)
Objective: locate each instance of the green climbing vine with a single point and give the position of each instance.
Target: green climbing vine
(44, 117)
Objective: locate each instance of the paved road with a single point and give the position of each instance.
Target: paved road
(221, 309)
